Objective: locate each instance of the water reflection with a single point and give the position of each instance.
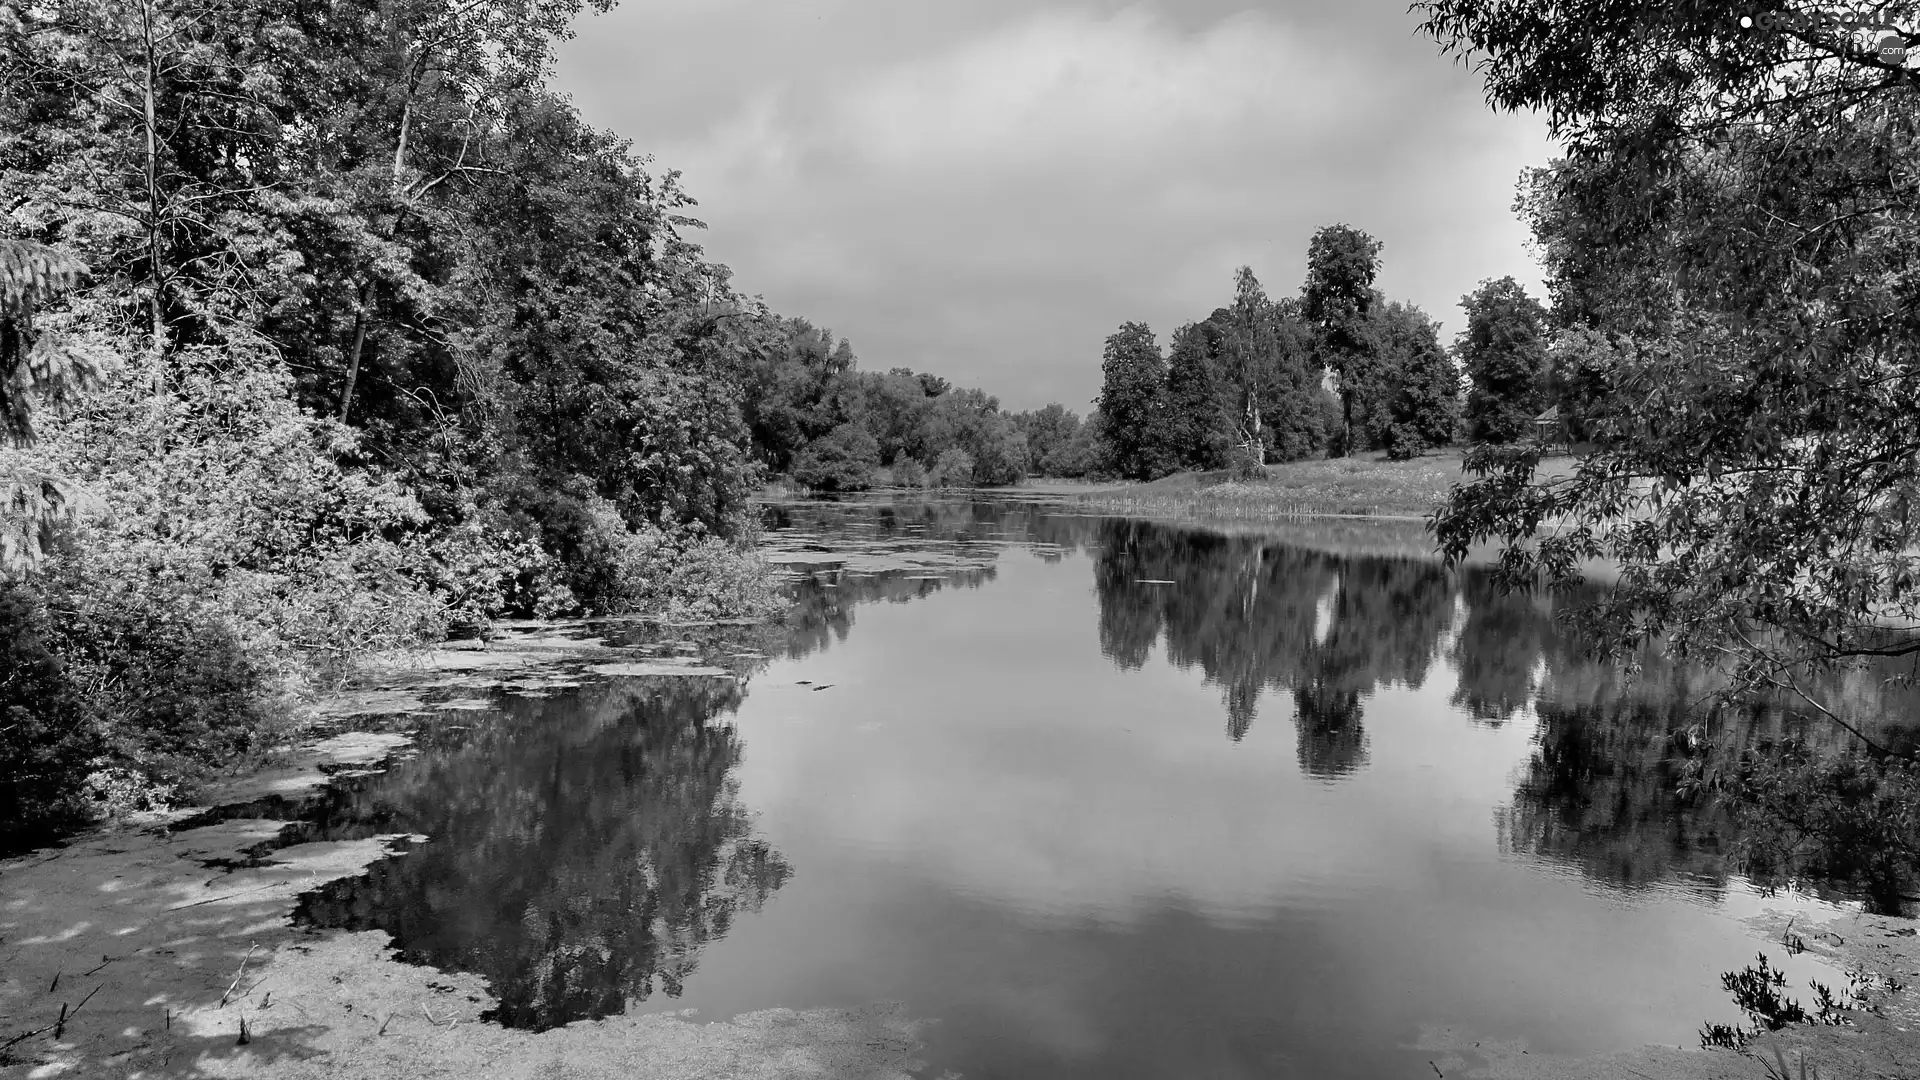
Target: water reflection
(1257, 616)
(582, 850)
(588, 851)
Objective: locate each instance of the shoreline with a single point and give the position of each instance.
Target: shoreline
(164, 947)
(158, 938)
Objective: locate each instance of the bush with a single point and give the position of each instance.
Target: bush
(954, 468)
(49, 739)
(843, 460)
(616, 568)
(223, 487)
(908, 472)
(481, 569)
(177, 692)
(1002, 458)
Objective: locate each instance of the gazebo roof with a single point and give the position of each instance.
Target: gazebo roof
(1548, 417)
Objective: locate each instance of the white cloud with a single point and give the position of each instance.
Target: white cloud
(990, 200)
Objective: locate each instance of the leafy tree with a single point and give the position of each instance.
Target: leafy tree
(971, 421)
(1338, 299)
(896, 407)
(1421, 387)
(1249, 353)
(1756, 469)
(1295, 419)
(1199, 429)
(1057, 441)
(1580, 363)
(1504, 352)
(842, 461)
(798, 391)
(1001, 456)
(1132, 403)
(954, 468)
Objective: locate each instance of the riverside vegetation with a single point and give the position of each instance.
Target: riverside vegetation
(325, 332)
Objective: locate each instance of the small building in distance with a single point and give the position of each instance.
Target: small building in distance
(1551, 432)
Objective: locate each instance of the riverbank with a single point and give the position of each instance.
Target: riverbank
(164, 947)
(1365, 486)
(157, 946)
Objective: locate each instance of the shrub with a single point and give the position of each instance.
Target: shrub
(711, 578)
(616, 568)
(481, 569)
(49, 739)
(177, 690)
(1404, 442)
(224, 487)
(1002, 456)
(953, 468)
(843, 460)
(908, 472)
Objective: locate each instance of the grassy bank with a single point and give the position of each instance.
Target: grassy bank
(1365, 486)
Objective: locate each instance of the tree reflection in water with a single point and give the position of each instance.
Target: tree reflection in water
(1256, 615)
(583, 849)
(1601, 790)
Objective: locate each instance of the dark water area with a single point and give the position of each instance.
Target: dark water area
(1105, 798)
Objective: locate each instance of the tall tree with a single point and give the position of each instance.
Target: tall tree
(1751, 234)
(1421, 386)
(1341, 264)
(1250, 354)
(1504, 352)
(1132, 402)
(1294, 412)
(1201, 406)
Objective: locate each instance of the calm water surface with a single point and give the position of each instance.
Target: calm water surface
(1106, 798)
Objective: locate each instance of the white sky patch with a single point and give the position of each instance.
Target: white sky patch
(989, 195)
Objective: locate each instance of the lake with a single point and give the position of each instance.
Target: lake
(1105, 798)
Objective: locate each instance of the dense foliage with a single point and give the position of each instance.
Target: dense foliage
(327, 329)
(1504, 352)
(826, 425)
(1249, 384)
(1731, 250)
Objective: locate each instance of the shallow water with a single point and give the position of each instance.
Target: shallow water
(1105, 798)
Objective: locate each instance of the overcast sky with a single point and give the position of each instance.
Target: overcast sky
(986, 189)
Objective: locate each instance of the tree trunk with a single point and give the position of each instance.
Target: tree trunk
(1346, 408)
(400, 146)
(359, 343)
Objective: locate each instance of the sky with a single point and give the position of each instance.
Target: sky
(986, 189)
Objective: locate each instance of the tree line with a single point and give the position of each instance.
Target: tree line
(328, 328)
(819, 421)
(1338, 369)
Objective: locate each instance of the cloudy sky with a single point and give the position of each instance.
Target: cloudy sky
(985, 189)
